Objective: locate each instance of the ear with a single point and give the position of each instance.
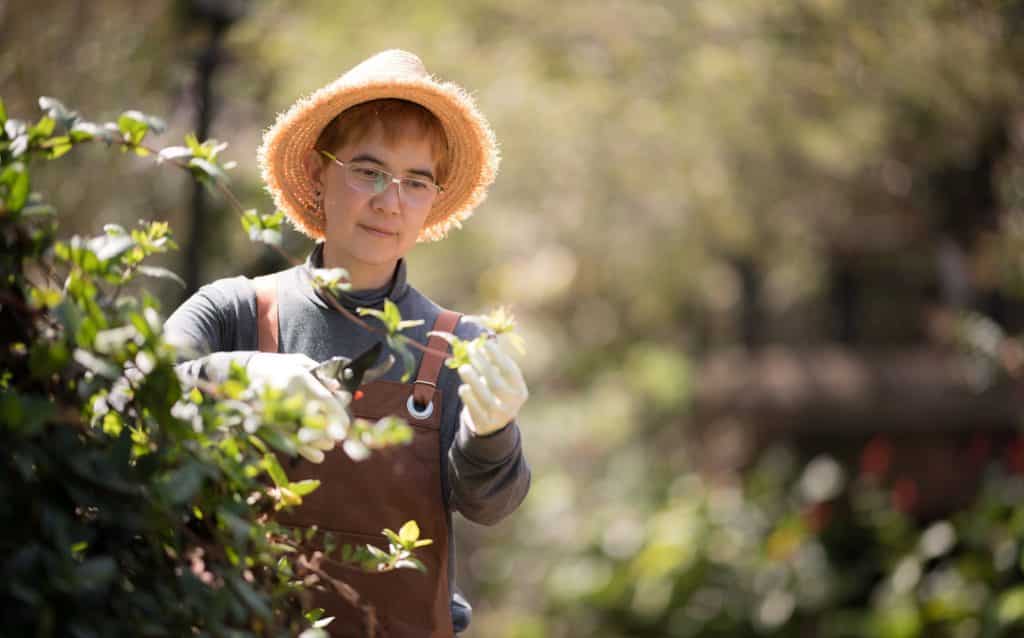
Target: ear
(314, 163)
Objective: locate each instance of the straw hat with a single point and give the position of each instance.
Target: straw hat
(473, 152)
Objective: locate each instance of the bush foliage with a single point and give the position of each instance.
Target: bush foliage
(131, 505)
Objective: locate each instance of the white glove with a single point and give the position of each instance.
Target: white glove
(493, 388)
(291, 373)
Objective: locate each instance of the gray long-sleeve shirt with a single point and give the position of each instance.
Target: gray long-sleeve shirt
(483, 477)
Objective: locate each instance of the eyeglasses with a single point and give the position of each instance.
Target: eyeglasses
(366, 178)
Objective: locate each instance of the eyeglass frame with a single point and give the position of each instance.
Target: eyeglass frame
(394, 180)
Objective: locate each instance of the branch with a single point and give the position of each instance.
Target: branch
(343, 589)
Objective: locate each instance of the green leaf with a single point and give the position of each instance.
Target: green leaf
(392, 315)
(239, 527)
(107, 247)
(46, 359)
(371, 312)
(273, 220)
(302, 488)
(56, 110)
(1010, 608)
(25, 413)
(411, 563)
(397, 345)
(183, 483)
(392, 536)
(409, 533)
(251, 220)
(250, 597)
(460, 353)
(277, 440)
(112, 424)
(314, 615)
(3, 112)
(45, 297)
(193, 144)
(161, 273)
(174, 152)
(43, 128)
(100, 366)
(134, 126)
(61, 147)
(274, 469)
(85, 131)
(409, 323)
(207, 169)
(14, 183)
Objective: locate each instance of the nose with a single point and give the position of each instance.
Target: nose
(387, 201)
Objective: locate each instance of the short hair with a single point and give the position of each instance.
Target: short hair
(394, 118)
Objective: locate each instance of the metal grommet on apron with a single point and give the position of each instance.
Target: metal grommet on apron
(417, 413)
(355, 501)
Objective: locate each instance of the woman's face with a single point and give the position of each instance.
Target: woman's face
(368, 233)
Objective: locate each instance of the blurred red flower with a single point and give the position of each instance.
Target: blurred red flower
(876, 457)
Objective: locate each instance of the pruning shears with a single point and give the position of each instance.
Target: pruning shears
(344, 373)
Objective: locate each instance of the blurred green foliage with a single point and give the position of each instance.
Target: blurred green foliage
(825, 550)
(677, 179)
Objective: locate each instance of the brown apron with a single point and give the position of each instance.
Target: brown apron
(356, 500)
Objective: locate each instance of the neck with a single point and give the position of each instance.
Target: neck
(361, 275)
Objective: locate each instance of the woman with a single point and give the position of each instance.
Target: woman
(380, 159)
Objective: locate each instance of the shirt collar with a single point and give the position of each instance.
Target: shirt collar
(372, 298)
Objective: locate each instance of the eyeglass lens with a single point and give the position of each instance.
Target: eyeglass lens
(368, 179)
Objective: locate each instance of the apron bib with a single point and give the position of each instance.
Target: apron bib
(356, 500)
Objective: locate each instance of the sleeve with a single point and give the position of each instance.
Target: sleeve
(488, 475)
(211, 329)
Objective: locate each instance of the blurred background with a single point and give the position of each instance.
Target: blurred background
(768, 259)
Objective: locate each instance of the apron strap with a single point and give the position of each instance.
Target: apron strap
(430, 366)
(267, 330)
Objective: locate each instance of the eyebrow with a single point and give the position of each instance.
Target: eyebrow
(366, 157)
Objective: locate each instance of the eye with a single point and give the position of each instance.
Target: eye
(367, 173)
(417, 184)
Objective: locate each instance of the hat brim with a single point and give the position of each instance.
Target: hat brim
(473, 151)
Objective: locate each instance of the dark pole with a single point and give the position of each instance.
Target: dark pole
(206, 65)
(219, 15)
(750, 302)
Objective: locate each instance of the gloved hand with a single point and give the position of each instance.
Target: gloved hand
(493, 388)
(291, 373)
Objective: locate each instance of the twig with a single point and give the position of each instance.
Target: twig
(343, 589)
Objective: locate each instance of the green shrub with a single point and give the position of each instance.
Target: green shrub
(131, 506)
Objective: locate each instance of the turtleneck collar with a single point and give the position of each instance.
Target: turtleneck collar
(352, 299)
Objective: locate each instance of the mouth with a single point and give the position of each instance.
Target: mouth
(377, 232)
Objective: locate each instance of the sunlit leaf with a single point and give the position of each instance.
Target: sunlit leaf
(161, 273)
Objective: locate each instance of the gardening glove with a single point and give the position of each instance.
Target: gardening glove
(493, 388)
(292, 374)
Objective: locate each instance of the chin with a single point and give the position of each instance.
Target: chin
(375, 257)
